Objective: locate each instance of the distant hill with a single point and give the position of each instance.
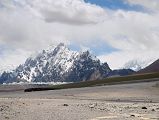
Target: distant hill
(120, 72)
(154, 67)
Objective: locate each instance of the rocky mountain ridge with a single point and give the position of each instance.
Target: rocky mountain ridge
(58, 64)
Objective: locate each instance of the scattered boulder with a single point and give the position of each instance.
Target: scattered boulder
(132, 115)
(3, 108)
(92, 105)
(65, 104)
(6, 117)
(144, 108)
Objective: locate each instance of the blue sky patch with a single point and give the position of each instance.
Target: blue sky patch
(95, 48)
(2, 49)
(116, 4)
(102, 48)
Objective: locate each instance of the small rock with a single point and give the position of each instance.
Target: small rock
(132, 115)
(1, 109)
(118, 99)
(153, 110)
(6, 117)
(102, 109)
(92, 105)
(65, 104)
(144, 107)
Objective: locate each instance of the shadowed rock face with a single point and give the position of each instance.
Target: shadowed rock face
(58, 64)
(87, 68)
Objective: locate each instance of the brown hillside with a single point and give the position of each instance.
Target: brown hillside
(154, 67)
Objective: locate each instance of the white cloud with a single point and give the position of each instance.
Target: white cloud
(10, 59)
(67, 11)
(118, 59)
(32, 25)
(152, 5)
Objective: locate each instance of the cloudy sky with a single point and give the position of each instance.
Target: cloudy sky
(116, 31)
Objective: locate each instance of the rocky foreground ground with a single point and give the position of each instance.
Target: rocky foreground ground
(139, 101)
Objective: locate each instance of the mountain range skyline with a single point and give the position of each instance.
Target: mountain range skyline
(60, 64)
(135, 65)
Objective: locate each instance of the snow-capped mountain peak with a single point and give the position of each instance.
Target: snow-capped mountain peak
(59, 64)
(137, 65)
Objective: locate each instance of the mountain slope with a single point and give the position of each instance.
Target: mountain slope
(58, 64)
(154, 67)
